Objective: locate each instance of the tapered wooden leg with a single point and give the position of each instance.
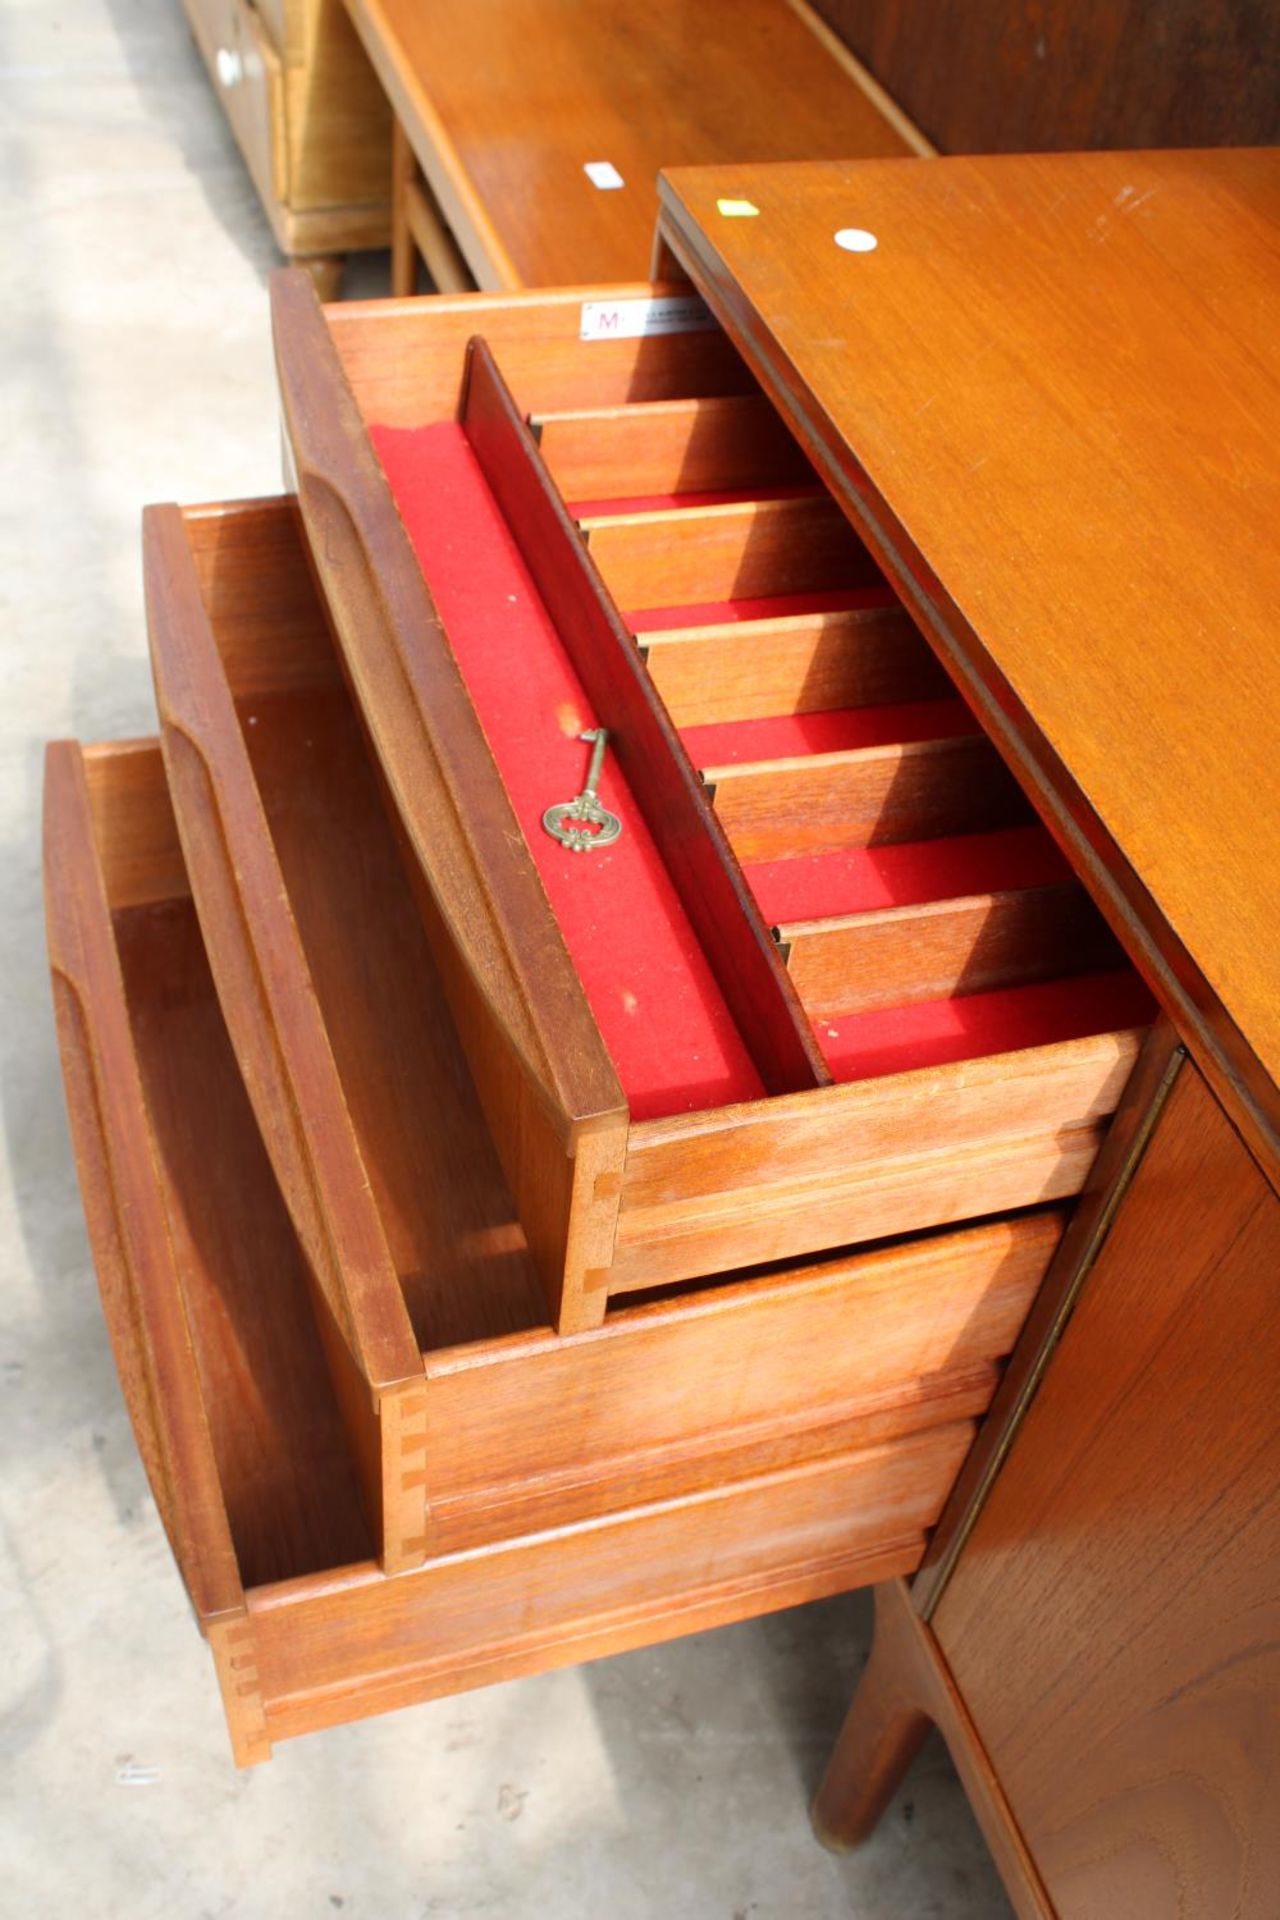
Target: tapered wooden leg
(883, 1732)
(404, 258)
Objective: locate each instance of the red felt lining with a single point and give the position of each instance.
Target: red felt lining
(861, 879)
(867, 1046)
(781, 606)
(786, 736)
(668, 1031)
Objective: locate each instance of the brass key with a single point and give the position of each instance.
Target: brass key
(584, 824)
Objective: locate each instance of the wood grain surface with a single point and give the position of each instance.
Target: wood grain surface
(745, 550)
(710, 1191)
(794, 663)
(864, 796)
(672, 1392)
(896, 955)
(1050, 401)
(204, 1285)
(985, 76)
(668, 446)
(405, 360)
(505, 102)
(333, 1650)
(1113, 1622)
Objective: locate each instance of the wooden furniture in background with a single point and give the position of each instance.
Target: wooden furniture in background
(501, 105)
(1049, 400)
(310, 119)
(1001, 77)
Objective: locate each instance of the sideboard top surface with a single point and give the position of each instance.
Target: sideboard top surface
(518, 97)
(1050, 395)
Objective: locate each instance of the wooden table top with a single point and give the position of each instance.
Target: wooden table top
(1050, 397)
(506, 101)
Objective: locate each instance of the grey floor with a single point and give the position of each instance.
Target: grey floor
(135, 366)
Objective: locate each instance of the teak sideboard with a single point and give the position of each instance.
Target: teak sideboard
(1049, 397)
(512, 1255)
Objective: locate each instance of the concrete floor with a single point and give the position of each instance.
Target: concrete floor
(136, 366)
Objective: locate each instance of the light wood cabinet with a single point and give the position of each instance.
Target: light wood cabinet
(308, 115)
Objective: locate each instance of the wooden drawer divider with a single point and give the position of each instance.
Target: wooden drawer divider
(743, 956)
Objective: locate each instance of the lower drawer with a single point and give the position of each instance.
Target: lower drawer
(688, 1463)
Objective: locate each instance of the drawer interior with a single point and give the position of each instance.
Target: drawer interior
(924, 915)
(254, 688)
(222, 1236)
(834, 982)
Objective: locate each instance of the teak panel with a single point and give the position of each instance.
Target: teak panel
(980, 76)
(795, 663)
(865, 796)
(272, 1010)
(1113, 1620)
(405, 360)
(706, 1192)
(387, 1130)
(897, 955)
(204, 1288)
(691, 556)
(893, 1332)
(150, 1329)
(669, 446)
(549, 1091)
(333, 1651)
(1085, 528)
(481, 93)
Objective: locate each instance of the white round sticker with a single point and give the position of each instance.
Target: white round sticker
(856, 240)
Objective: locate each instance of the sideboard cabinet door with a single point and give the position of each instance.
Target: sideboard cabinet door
(1113, 1624)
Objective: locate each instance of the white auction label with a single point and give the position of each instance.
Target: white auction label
(630, 319)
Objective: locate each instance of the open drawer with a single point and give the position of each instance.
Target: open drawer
(834, 982)
(369, 1115)
(691, 1462)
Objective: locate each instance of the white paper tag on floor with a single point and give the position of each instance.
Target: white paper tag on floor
(630, 319)
(603, 174)
(132, 1774)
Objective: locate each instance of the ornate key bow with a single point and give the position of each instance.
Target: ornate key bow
(584, 824)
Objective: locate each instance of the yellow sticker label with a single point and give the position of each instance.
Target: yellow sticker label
(737, 209)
